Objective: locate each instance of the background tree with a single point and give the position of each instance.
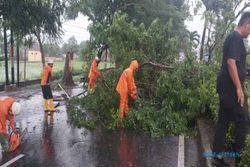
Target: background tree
(1, 48)
(71, 45)
(35, 17)
(138, 11)
(219, 17)
(52, 49)
(82, 46)
(87, 52)
(45, 18)
(101, 13)
(192, 38)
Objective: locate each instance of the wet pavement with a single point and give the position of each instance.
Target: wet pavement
(57, 143)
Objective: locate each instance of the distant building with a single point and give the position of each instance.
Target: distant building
(34, 56)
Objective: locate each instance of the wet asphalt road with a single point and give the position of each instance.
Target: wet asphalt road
(62, 145)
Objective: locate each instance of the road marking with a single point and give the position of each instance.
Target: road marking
(181, 152)
(13, 160)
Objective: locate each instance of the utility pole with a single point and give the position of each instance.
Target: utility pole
(17, 57)
(25, 67)
(6, 56)
(12, 56)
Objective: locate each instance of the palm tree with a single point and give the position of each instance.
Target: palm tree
(194, 38)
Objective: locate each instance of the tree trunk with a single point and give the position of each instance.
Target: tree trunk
(68, 70)
(41, 48)
(12, 56)
(6, 56)
(203, 39)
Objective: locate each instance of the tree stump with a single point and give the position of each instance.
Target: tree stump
(68, 70)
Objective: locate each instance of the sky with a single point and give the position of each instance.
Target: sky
(76, 28)
(196, 23)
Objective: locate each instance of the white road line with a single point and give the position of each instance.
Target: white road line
(13, 160)
(181, 152)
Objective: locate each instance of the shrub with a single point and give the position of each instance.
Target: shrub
(245, 154)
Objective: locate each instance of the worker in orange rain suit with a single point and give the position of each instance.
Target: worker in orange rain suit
(125, 86)
(47, 73)
(94, 73)
(8, 109)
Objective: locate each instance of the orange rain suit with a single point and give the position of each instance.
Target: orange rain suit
(94, 73)
(47, 93)
(46, 74)
(5, 107)
(125, 86)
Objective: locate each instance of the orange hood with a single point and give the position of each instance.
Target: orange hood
(134, 65)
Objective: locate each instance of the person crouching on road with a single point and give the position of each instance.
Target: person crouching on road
(94, 73)
(126, 85)
(47, 73)
(8, 109)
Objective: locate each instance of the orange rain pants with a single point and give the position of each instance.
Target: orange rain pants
(126, 85)
(94, 73)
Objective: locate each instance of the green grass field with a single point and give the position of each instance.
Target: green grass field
(33, 70)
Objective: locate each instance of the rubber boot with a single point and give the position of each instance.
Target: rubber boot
(46, 105)
(51, 105)
(90, 90)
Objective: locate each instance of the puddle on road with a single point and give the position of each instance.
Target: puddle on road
(62, 144)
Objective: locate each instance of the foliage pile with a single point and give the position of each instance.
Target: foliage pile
(169, 100)
(168, 107)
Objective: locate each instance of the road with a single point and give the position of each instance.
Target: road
(62, 145)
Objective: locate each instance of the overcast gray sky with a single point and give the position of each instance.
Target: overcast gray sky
(77, 28)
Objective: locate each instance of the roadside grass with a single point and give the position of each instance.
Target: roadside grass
(34, 69)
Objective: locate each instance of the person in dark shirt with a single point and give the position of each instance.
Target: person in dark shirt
(233, 100)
